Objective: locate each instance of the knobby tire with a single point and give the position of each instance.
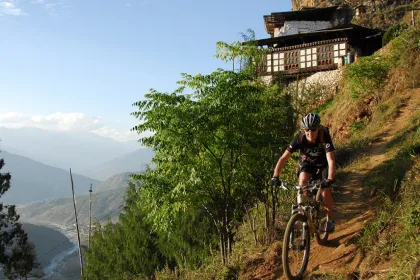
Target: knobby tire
(288, 259)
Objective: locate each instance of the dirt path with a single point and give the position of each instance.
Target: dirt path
(352, 210)
(354, 207)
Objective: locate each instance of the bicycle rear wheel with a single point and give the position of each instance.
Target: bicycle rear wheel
(296, 247)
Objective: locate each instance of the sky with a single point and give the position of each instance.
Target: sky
(81, 64)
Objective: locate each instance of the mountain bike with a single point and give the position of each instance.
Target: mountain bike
(309, 218)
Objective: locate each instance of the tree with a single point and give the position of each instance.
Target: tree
(22, 260)
(209, 146)
(11, 232)
(125, 249)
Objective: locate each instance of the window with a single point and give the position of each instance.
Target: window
(308, 58)
(340, 50)
(325, 55)
(291, 60)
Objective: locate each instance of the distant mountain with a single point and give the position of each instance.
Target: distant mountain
(115, 182)
(106, 204)
(34, 181)
(131, 162)
(76, 150)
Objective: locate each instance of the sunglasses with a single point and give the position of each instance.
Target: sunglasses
(312, 129)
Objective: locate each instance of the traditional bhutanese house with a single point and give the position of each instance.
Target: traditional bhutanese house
(312, 40)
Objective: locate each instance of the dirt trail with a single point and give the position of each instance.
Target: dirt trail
(353, 208)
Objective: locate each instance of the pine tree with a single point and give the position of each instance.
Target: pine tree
(11, 233)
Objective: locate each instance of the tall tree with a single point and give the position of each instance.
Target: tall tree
(124, 249)
(207, 144)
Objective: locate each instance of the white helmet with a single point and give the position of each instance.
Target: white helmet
(310, 121)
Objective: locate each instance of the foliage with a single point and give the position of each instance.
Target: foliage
(327, 104)
(243, 55)
(406, 54)
(367, 76)
(213, 148)
(11, 232)
(22, 260)
(357, 126)
(125, 249)
(397, 223)
(393, 32)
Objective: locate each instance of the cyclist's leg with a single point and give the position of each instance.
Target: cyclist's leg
(326, 194)
(327, 200)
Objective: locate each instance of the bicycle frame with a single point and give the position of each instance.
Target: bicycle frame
(307, 203)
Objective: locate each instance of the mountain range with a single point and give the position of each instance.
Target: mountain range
(85, 153)
(60, 212)
(132, 162)
(34, 181)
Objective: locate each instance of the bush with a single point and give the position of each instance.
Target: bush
(393, 32)
(357, 126)
(367, 76)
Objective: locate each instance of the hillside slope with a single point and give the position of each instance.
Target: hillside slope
(131, 162)
(354, 208)
(33, 181)
(376, 196)
(107, 204)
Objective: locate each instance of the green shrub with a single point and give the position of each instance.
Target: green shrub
(393, 32)
(358, 126)
(325, 106)
(230, 272)
(414, 216)
(367, 76)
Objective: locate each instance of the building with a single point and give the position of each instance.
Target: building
(316, 39)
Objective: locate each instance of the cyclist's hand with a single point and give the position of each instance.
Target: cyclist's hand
(275, 181)
(327, 183)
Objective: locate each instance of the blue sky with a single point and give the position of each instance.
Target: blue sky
(81, 64)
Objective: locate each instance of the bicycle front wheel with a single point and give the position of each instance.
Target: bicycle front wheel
(296, 247)
(321, 233)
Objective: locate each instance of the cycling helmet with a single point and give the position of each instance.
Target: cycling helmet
(310, 121)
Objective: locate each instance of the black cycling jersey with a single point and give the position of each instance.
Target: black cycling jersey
(312, 153)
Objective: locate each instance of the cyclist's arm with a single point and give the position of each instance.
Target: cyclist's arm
(281, 163)
(331, 165)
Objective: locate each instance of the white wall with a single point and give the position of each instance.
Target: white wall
(296, 27)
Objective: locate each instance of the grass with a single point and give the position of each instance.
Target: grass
(328, 104)
(394, 234)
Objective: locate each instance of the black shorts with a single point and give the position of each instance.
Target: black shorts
(317, 172)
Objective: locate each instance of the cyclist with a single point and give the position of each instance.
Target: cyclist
(317, 156)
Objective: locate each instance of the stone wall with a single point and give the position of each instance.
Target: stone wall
(308, 93)
(326, 81)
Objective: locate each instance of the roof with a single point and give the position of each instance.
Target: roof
(351, 31)
(277, 19)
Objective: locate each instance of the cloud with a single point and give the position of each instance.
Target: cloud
(66, 122)
(9, 8)
(53, 7)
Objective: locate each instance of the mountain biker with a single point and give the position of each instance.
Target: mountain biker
(317, 156)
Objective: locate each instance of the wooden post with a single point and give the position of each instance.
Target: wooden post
(77, 225)
(412, 17)
(90, 213)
